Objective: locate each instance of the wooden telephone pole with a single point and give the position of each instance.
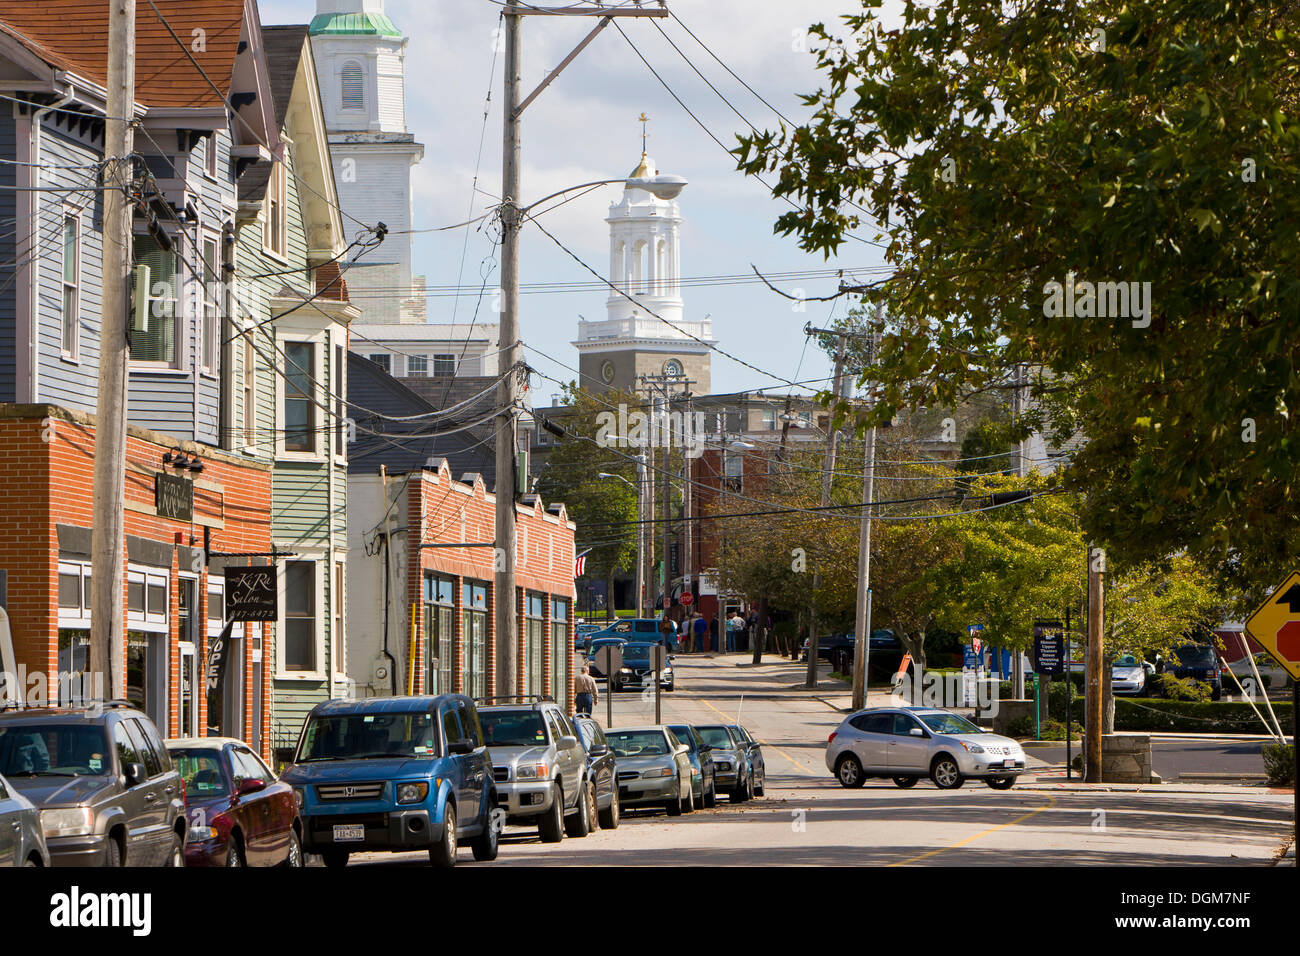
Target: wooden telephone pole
(1093, 679)
(508, 397)
(108, 529)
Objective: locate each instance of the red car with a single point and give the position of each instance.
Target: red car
(239, 814)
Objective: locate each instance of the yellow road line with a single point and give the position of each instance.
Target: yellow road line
(761, 742)
(1051, 802)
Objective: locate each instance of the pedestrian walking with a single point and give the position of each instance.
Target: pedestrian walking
(668, 632)
(585, 692)
(733, 628)
(701, 629)
(688, 637)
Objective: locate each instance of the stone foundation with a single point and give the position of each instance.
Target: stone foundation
(1010, 711)
(1126, 758)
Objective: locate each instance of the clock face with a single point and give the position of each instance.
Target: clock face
(673, 367)
(607, 372)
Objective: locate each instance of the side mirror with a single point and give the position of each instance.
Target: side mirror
(683, 749)
(135, 774)
(460, 747)
(917, 732)
(567, 741)
(251, 785)
(598, 750)
(706, 749)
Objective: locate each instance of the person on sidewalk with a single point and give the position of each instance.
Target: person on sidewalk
(713, 631)
(687, 639)
(668, 632)
(585, 693)
(733, 628)
(701, 630)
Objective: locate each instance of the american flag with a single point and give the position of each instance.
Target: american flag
(580, 564)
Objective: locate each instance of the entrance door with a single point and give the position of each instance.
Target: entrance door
(189, 715)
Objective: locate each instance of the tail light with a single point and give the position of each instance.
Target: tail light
(831, 738)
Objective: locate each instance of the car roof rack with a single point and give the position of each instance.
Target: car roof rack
(531, 698)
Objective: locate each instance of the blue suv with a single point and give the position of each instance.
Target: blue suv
(395, 773)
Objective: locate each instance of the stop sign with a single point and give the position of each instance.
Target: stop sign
(687, 599)
(1288, 641)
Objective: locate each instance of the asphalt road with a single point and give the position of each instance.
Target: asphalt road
(808, 819)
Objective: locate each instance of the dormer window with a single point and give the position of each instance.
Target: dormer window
(353, 84)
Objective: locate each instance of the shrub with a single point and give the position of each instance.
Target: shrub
(1023, 727)
(1279, 764)
(1174, 688)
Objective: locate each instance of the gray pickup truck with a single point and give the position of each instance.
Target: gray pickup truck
(539, 767)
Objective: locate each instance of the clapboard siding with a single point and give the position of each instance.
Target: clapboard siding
(8, 253)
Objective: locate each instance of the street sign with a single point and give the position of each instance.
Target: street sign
(1049, 647)
(609, 659)
(687, 599)
(970, 657)
(1276, 625)
(658, 653)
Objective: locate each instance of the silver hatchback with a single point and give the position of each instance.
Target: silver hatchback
(22, 840)
(906, 744)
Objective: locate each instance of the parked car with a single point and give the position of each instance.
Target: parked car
(540, 768)
(654, 768)
(1130, 676)
(637, 629)
(1199, 662)
(828, 644)
(730, 755)
(906, 744)
(239, 814)
(638, 668)
(602, 770)
(594, 645)
(22, 841)
(103, 781)
(757, 766)
(704, 780)
(395, 773)
(582, 635)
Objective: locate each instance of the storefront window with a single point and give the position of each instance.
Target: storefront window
(533, 643)
(561, 650)
(474, 611)
(439, 615)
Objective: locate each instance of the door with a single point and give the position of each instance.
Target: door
(570, 761)
(11, 825)
(604, 765)
(871, 743)
(260, 845)
(140, 804)
(458, 763)
(907, 752)
(478, 769)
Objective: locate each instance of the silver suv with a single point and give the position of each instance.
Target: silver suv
(539, 767)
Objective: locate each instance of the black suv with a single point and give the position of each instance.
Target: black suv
(103, 781)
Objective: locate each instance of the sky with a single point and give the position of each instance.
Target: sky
(585, 127)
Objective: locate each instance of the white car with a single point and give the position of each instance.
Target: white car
(907, 743)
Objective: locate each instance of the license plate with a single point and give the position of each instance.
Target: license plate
(349, 833)
(1005, 763)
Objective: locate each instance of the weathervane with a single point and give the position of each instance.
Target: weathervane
(643, 120)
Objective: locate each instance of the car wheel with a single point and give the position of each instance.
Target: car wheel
(760, 785)
(711, 798)
(945, 773)
(31, 863)
(488, 843)
(294, 858)
(744, 790)
(176, 855)
(1001, 783)
(443, 853)
(688, 806)
(674, 807)
(1217, 692)
(234, 854)
(609, 816)
(579, 823)
(905, 782)
(848, 771)
(334, 859)
(550, 827)
(112, 854)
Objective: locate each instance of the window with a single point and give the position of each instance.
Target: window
(673, 368)
(275, 236)
(383, 360)
(250, 395)
(352, 80)
(210, 291)
(903, 724)
(71, 283)
(210, 155)
(451, 728)
(144, 747)
(561, 649)
(299, 404)
(154, 326)
(300, 616)
(127, 752)
(340, 389)
(147, 599)
(733, 471)
(338, 652)
(417, 365)
(444, 365)
(469, 723)
(439, 615)
(533, 645)
(474, 620)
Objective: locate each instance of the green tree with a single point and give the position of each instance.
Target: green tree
(999, 149)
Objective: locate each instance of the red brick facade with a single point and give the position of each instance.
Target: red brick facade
(47, 471)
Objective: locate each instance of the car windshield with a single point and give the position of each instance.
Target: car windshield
(1127, 660)
(716, 737)
(513, 728)
(637, 743)
(365, 736)
(640, 652)
(200, 768)
(1195, 656)
(949, 724)
(54, 750)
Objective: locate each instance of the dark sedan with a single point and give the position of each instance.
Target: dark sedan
(239, 814)
(594, 647)
(703, 773)
(602, 770)
(638, 668)
(1199, 662)
(828, 644)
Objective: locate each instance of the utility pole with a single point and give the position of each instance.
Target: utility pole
(506, 617)
(108, 529)
(828, 476)
(1093, 666)
(862, 620)
(640, 535)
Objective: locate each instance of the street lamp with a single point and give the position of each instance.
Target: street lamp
(640, 530)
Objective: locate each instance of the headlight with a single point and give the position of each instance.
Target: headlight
(972, 748)
(298, 796)
(74, 821)
(660, 772)
(412, 792)
(625, 670)
(200, 834)
(723, 764)
(531, 772)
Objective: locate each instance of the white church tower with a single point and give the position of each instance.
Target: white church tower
(645, 263)
(360, 58)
